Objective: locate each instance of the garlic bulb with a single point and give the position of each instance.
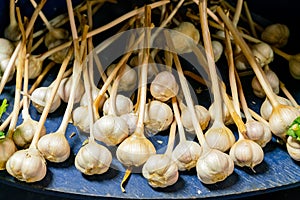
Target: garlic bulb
(164, 86)
(6, 51)
(217, 49)
(266, 107)
(124, 105)
(281, 118)
(94, 93)
(35, 66)
(218, 136)
(12, 31)
(7, 148)
(135, 150)
(293, 148)
(24, 133)
(40, 96)
(272, 78)
(59, 56)
(276, 34)
(158, 116)
(214, 166)
(80, 120)
(27, 165)
(65, 89)
(184, 36)
(294, 66)
(151, 68)
(203, 117)
(131, 120)
(54, 147)
(93, 158)
(160, 171)
(186, 154)
(110, 129)
(263, 53)
(246, 153)
(128, 80)
(226, 114)
(258, 132)
(240, 61)
(55, 34)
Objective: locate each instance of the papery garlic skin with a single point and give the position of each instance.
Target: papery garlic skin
(276, 34)
(246, 153)
(293, 148)
(281, 118)
(160, 171)
(110, 129)
(124, 105)
(188, 34)
(214, 166)
(40, 96)
(258, 132)
(217, 49)
(80, 119)
(135, 150)
(54, 147)
(186, 155)
(64, 89)
(266, 107)
(164, 86)
(203, 117)
(131, 120)
(128, 80)
(27, 165)
(24, 133)
(219, 137)
(6, 50)
(158, 116)
(263, 53)
(7, 148)
(93, 158)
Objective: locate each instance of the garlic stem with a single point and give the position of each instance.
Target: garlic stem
(171, 139)
(282, 54)
(247, 52)
(25, 111)
(250, 20)
(12, 15)
(182, 137)
(43, 17)
(237, 12)
(49, 101)
(288, 94)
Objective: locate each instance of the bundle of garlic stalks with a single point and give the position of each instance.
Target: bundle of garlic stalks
(144, 90)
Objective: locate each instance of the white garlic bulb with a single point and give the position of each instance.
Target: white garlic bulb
(40, 96)
(263, 53)
(203, 117)
(80, 120)
(135, 150)
(246, 153)
(27, 165)
(123, 104)
(276, 34)
(293, 148)
(258, 132)
(93, 158)
(94, 93)
(227, 119)
(7, 48)
(266, 107)
(24, 133)
(240, 61)
(128, 79)
(186, 154)
(185, 37)
(110, 129)
(158, 116)
(7, 148)
(164, 86)
(160, 171)
(54, 147)
(131, 120)
(64, 89)
(35, 66)
(217, 49)
(214, 166)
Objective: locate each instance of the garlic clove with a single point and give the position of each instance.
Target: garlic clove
(293, 148)
(124, 105)
(40, 96)
(27, 165)
(24, 133)
(93, 158)
(246, 153)
(186, 155)
(64, 89)
(214, 166)
(54, 147)
(160, 171)
(164, 86)
(110, 129)
(7, 148)
(263, 53)
(276, 34)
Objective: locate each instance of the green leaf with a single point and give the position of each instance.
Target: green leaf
(3, 107)
(294, 129)
(2, 135)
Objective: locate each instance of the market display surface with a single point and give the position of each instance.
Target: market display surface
(183, 99)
